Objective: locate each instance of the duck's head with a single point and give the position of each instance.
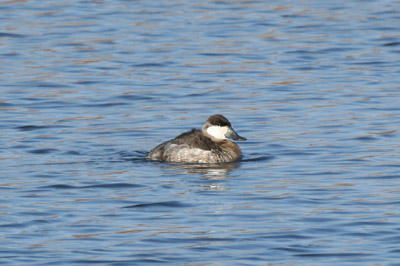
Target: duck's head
(218, 128)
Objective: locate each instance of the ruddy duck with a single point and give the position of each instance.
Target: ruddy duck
(208, 145)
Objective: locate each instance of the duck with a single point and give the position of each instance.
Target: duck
(208, 145)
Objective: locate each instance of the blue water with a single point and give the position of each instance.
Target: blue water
(89, 87)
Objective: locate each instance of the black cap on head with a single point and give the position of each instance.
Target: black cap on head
(219, 120)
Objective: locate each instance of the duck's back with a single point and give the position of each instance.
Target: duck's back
(194, 139)
(191, 147)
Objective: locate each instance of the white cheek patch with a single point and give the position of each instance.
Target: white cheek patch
(217, 132)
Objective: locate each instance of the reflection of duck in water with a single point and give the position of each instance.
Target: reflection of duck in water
(209, 145)
(213, 171)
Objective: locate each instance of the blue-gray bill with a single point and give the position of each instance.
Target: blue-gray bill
(231, 134)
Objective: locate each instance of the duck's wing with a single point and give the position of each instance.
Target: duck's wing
(188, 139)
(195, 139)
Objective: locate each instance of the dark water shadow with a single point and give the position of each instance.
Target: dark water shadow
(256, 157)
(156, 205)
(105, 186)
(11, 35)
(134, 156)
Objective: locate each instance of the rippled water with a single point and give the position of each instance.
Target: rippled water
(89, 87)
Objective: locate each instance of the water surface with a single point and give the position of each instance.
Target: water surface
(89, 87)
